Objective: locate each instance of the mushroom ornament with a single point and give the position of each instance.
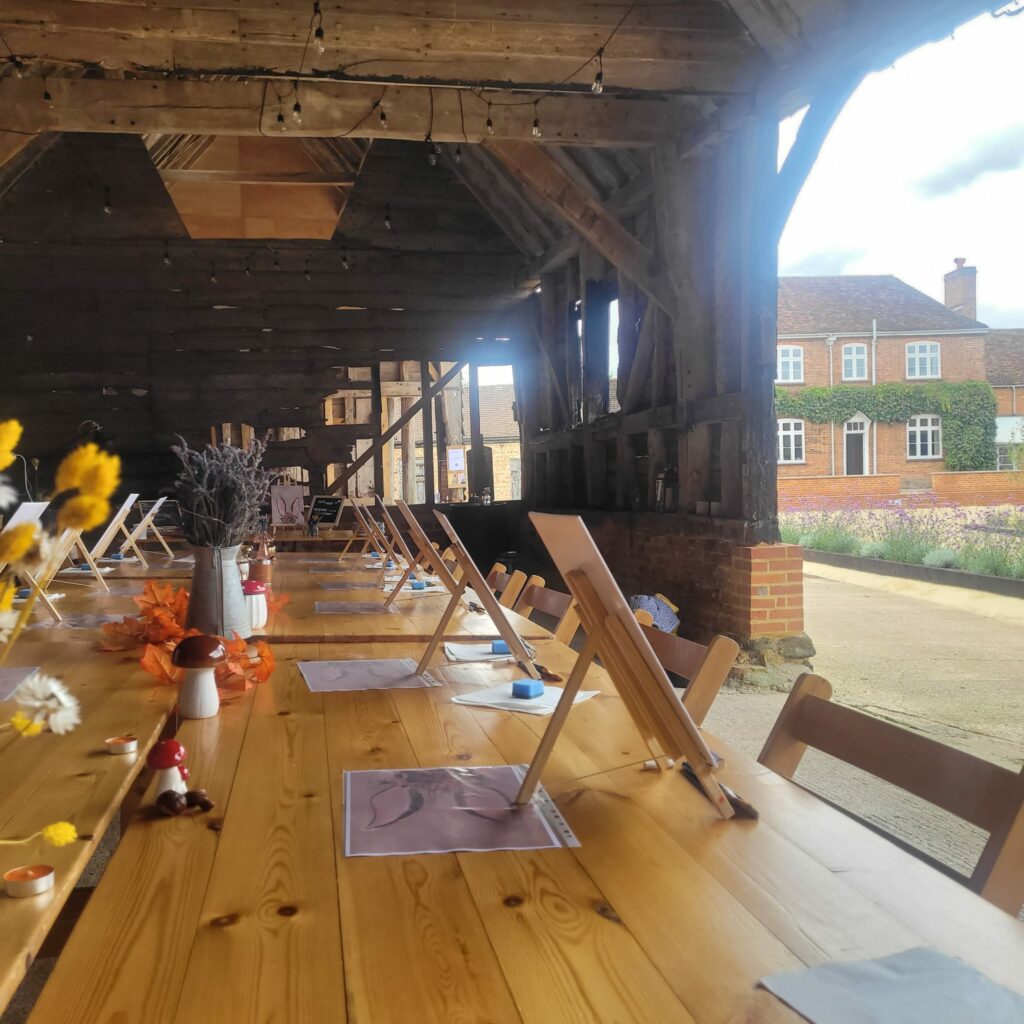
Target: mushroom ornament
(167, 759)
(199, 656)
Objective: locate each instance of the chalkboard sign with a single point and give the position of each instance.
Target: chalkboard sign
(167, 519)
(325, 510)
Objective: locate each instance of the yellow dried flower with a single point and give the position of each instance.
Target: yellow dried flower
(10, 435)
(7, 592)
(16, 542)
(60, 833)
(25, 725)
(100, 480)
(83, 513)
(75, 465)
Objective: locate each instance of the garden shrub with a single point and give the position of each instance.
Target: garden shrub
(941, 558)
(872, 549)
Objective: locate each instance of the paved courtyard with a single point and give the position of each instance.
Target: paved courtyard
(950, 665)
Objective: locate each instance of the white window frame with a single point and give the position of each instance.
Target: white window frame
(789, 356)
(857, 352)
(793, 429)
(924, 353)
(928, 427)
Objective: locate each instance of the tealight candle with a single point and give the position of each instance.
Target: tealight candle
(121, 744)
(30, 880)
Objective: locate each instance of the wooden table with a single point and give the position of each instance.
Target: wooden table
(414, 620)
(664, 913)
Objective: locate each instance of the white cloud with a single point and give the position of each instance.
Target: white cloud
(947, 114)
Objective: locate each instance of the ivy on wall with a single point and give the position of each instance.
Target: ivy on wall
(967, 408)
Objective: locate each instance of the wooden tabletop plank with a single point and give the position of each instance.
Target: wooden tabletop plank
(268, 946)
(127, 957)
(415, 947)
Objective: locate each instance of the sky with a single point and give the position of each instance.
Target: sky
(924, 164)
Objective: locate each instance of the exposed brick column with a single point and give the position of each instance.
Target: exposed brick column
(765, 592)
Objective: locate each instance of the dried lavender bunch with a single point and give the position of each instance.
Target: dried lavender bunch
(221, 490)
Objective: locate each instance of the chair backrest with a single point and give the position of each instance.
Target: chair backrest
(704, 668)
(536, 596)
(986, 795)
(508, 585)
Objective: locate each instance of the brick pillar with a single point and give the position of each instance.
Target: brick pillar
(765, 591)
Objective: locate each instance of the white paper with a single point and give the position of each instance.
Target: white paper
(474, 652)
(367, 674)
(917, 986)
(86, 571)
(500, 697)
(12, 678)
(352, 608)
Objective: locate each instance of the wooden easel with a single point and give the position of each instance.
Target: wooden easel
(99, 549)
(380, 543)
(41, 583)
(411, 561)
(427, 555)
(614, 636)
(146, 523)
(471, 576)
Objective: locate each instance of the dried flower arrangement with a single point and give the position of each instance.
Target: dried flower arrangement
(220, 491)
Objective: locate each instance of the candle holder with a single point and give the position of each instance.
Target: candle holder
(29, 880)
(126, 744)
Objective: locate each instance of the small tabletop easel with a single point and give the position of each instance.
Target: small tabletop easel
(41, 583)
(147, 523)
(471, 576)
(99, 549)
(411, 561)
(427, 555)
(380, 543)
(614, 636)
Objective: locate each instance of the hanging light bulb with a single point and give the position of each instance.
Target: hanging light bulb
(107, 207)
(535, 130)
(490, 123)
(458, 155)
(432, 151)
(306, 272)
(213, 273)
(387, 216)
(344, 261)
(47, 98)
(598, 86)
(277, 262)
(318, 40)
(19, 68)
(281, 126)
(167, 257)
(383, 120)
(248, 269)
(297, 112)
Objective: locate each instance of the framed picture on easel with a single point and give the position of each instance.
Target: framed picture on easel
(287, 505)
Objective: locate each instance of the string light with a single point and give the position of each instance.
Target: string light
(432, 151)
(490, 123)
(167, 257)
(213, 272)
(535, 130)
(458, 154)
(248, 269)
(277, 262)
(383, 120)
(297, 112)
(107, 206)
(318, 33)
(387, 216)
(344, 261)
(281, 126)
(598, 86)
(306, 273)
(47, 98)
(19, 68)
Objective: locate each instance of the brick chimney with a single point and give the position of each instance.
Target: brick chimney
(962, 289)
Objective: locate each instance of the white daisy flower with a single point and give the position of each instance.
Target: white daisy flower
(8, 620)
(8, 495)
(50, 701)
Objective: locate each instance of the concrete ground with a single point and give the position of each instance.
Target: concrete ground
(944, 661)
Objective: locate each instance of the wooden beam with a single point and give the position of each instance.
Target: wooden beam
(376, 449)
(184, 107)
(591, 218)
(428, 436)
(395, 427)
(640, 371)
(195, 175)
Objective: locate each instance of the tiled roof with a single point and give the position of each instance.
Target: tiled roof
(1004, 357)
(847, 305)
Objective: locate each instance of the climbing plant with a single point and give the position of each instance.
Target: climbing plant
(967, 408)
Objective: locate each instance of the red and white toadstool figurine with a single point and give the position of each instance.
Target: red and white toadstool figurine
(199, 656)
(167, 759)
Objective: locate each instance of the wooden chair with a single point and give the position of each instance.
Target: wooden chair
(985, 794)
(704, 668)
(506, 586)
(536, 596)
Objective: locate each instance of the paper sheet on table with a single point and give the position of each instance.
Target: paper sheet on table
(480, 652)
(917, 986)
(11, 678)
(352, 608)
(364, 674)
(345, 585)
(120, 561)
(410, 589)
(439, 810)
(500, 697)
(84, 621)
(86, 570)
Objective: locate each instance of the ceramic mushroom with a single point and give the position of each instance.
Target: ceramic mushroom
(256, 602)
(167, 759)
(199, 656)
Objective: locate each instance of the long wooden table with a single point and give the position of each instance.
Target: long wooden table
(664, 913)
(301, 576)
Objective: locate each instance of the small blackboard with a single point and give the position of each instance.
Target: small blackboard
(325, 510)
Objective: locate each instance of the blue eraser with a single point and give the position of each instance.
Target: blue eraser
(84, 567)
(418, 585)
(389, 564)
(23, 592)
(527, 688)
(118, 556)
(499, 647)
